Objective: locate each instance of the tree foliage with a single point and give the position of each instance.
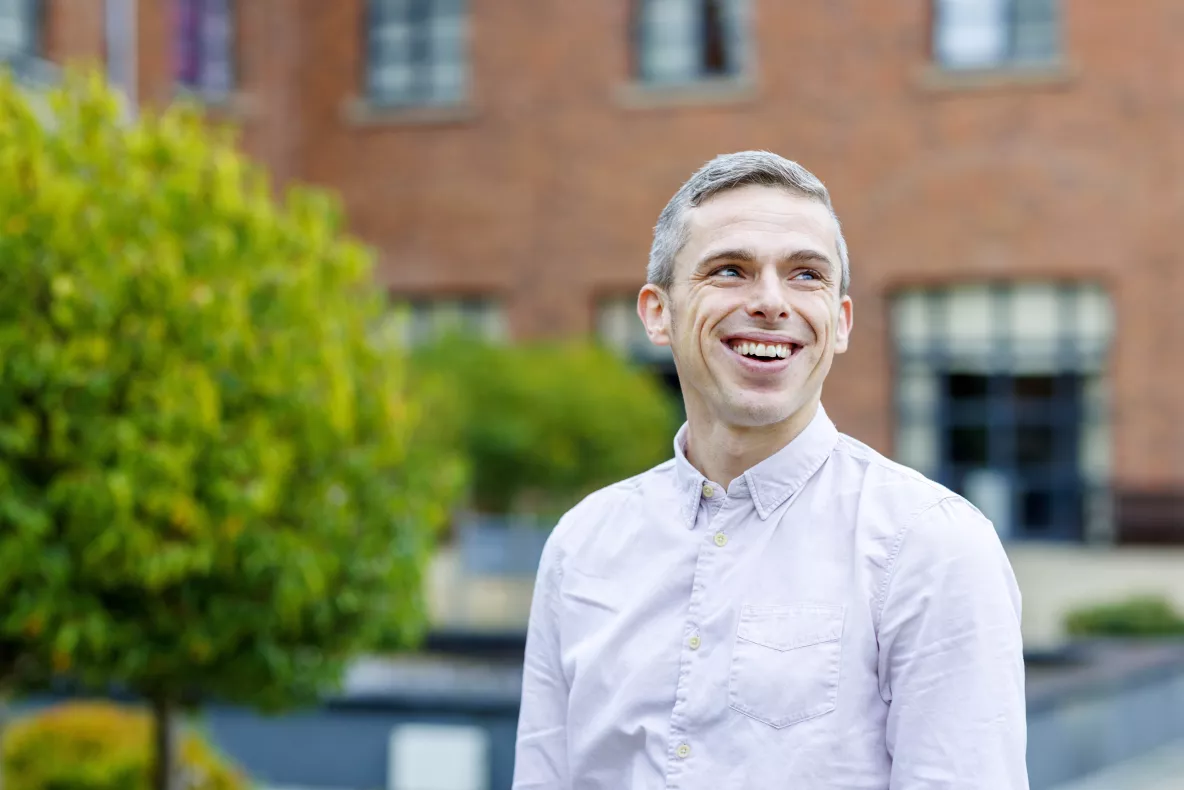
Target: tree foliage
(1135, 616)
(211, 481)
(101, 746)
(543, 424)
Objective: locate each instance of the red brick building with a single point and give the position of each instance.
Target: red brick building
(1008, 172)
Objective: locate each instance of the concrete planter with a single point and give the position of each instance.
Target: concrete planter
(1111, 701)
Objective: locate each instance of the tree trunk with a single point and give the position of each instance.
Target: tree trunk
(164, 766)
(3, 723)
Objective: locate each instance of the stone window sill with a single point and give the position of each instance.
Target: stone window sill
(235, 105)
(937, 79)
(364, 113)
(644, 96)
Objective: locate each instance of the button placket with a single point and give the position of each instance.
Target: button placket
(690, 683)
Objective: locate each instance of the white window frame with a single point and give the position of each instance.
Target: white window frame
(417, 52)
(423, 319)
(20, 30)
(670, 44)
(992, 34)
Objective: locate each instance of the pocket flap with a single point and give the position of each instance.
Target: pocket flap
(791, 627)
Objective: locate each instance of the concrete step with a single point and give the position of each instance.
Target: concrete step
(1161, 769)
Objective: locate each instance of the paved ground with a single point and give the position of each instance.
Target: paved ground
(1162, 769)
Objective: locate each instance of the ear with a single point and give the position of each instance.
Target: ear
(845, 323)
(654, 314)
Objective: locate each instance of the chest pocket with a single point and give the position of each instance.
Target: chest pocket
(785, 663)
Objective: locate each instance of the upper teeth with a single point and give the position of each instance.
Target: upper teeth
(761, 349)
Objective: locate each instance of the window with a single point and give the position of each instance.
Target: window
(438, 757)
(204, 47)
(1000, 396)
(984, 34)
(422, 320)
(19, 31)
(417, 52)
(688, 41)
(619, 328)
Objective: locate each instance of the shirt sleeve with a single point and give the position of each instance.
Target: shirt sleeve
(541, 754)
(951, 657)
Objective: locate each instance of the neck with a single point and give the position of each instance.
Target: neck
(723, 452)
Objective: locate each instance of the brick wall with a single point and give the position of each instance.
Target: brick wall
(543, 189)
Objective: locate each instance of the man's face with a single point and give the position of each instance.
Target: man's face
(760, 268)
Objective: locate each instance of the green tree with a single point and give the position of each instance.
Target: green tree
(543, 424)
(211, 480)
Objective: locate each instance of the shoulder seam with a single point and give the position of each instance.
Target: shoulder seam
(897, 545)
(856, 449)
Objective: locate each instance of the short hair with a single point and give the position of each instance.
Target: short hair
(727, 172)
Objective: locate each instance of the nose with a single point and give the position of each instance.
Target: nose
(767, 299)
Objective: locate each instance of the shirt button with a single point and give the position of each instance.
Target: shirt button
(721, 539)
(683, 751)
(695, 642)
(708, 490)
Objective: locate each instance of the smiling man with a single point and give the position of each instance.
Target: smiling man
(778, 606)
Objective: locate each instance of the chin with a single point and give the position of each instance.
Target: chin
(758, 412)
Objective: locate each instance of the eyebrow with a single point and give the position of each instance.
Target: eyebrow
(799, 257)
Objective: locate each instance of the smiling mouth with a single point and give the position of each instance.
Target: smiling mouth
(763, 352)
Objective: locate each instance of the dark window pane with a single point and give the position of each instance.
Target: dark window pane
(962, 385)
(1036, 510)
(971, 412)
(1036, 444)
(1034, 386)
(968, 446)
(715, 59)
(204, 40)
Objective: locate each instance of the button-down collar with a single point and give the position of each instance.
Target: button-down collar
(770, 482)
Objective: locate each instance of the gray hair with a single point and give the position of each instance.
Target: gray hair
(726, 172)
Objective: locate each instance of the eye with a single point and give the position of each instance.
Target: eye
(808, 274)
(727, 272)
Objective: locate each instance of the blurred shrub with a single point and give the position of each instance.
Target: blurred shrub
(100, 746)
(543, 424)
(1138, 616)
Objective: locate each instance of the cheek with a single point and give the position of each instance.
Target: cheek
(823, 317)
(707, 311)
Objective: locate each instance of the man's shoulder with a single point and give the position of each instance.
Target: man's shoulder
(601, 505)
(905, 514)
(900, 492)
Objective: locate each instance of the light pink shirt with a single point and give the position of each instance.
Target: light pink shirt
(830, 620)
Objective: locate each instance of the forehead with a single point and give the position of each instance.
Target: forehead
(760, 217)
